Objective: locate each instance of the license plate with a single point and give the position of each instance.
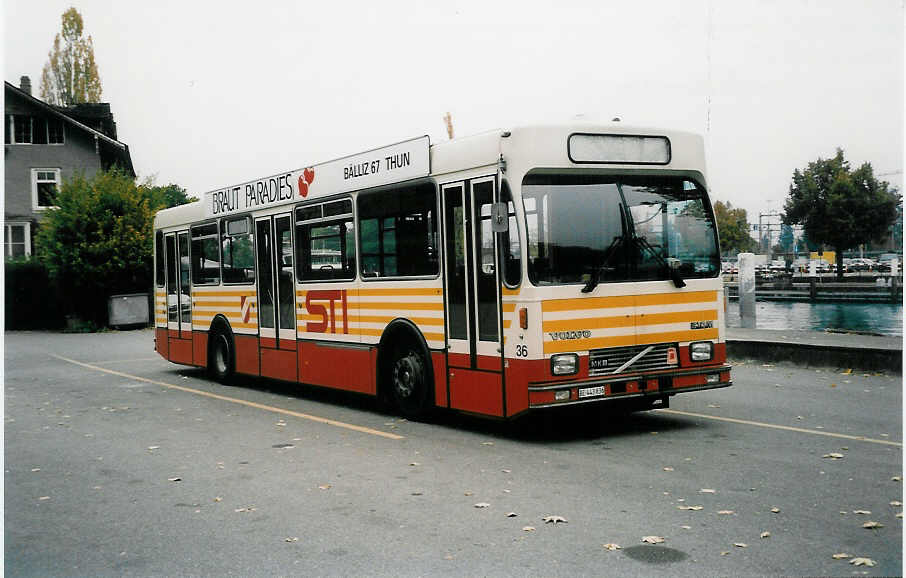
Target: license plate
(591, 391)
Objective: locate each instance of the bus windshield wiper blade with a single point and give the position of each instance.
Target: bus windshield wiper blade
(674, 274)
(594, 280)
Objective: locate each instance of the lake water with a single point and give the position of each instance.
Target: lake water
(883, 318)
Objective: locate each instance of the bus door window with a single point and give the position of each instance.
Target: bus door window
(454, 224)
(185, 285)
(265, 274)
(283, 232)
(172, 282)
(486, 283)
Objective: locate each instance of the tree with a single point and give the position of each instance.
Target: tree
(70, 75)
(98, 241)
(839, 207)
(733, 229)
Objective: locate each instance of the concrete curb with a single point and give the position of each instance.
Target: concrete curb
(815, 348)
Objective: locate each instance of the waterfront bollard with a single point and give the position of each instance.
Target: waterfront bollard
(746, 264)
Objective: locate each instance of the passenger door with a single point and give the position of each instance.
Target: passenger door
(474, 359)
(276, 296)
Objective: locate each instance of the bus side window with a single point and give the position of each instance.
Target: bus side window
(512, 261)
(325, 241)
(159, 274)
(205, 255)
(238, 251)
(398, 232)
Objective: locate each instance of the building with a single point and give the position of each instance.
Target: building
(45, 144)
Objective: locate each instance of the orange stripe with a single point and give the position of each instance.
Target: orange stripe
(202, 293)
(508, 291)
(629, 301)
(630, 320)
(509, 307)
(403, 306)
(409, 291)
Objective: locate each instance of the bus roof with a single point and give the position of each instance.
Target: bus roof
(523, 148)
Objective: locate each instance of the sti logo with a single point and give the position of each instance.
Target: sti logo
(305, 179)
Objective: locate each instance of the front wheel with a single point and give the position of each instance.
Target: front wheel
(409, 381)
(220, 357)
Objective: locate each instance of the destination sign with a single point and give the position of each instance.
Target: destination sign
(394, 163)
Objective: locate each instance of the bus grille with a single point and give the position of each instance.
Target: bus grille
(606, 361)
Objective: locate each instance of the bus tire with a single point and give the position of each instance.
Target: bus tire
(406, 378)
(221, 356)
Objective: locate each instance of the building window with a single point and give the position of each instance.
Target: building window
(25, 129)
(44, 186)
(17, 240)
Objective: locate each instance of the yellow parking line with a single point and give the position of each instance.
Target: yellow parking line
(270, 408)
(782, 427)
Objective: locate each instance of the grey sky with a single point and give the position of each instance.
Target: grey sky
(208, 93)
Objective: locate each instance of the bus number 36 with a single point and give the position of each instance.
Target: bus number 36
(522, 351)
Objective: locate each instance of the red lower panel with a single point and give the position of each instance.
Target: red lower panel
(476, 391)
(278, 364)
(440, 379)
(200, 348)
(339, 367)
(181, 351)
(246, 354)
(161, 343)
(518, 374)
(488, 362)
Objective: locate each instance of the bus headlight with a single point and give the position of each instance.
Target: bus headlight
(701, 351)
(564, 364)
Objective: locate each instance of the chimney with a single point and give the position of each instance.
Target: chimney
(25, 84)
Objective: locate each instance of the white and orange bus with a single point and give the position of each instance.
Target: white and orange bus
(517, 269)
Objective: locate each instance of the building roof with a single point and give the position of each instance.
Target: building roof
(116, 149)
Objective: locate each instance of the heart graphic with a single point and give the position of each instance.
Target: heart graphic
(309, 175)
(303, 187)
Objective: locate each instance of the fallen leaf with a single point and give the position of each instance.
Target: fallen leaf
(840, 556)
(44, 498)
(528, 528)
(487, 443)
(668, 469)
(764, 535)
(293, 539)
(414, 464)
(511, 514)
(693, 508)
(506, 471)
(725, 553)
(467, 493)
(896, 503)
(861, 512)
(686, 527)
(324, 487)
(706, 491)
(725, 513)
(39, 469)
(218, 499)
(900, 515)
(153, 447)
(246, 509)
(174, 479)
(847, 372)
(862, 562)
(740, 545)
(611, 547)
(653, 539)
(872, 525)
(833, 456)
(482, 505)
(417, 494)
(714, 405)
(896, 479)
(555, 520)
(775, 510)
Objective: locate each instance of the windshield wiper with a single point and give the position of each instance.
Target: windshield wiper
(674, 274)
(594, 280)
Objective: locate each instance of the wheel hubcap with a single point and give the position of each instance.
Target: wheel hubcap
(406, 374)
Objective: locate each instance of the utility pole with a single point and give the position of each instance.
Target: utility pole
(448, 120)
(770, 229)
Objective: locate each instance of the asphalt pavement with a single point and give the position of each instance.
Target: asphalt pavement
(120, 463)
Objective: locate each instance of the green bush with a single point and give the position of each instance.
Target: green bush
(32, 299)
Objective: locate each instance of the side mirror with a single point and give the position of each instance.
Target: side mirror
(500, 221)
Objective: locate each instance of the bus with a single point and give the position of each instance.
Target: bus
(518, 269)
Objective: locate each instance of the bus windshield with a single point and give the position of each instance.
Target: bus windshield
(604, 229)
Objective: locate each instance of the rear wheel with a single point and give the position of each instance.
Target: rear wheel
(220, 357)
